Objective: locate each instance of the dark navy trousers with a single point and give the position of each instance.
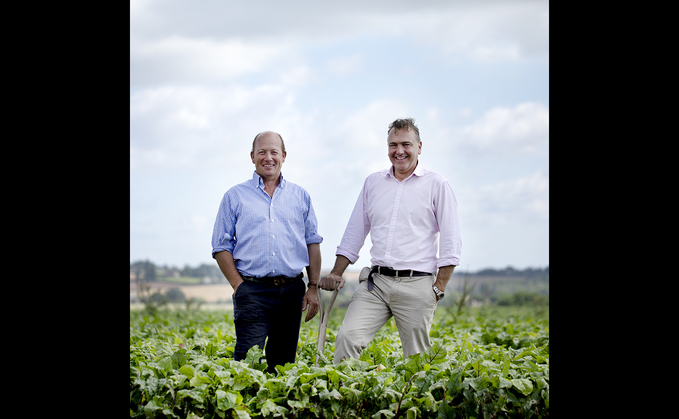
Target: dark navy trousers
(270, 311)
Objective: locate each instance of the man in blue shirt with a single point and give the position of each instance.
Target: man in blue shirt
(264, 235)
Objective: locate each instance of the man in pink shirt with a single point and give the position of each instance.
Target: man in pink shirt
(411, 215)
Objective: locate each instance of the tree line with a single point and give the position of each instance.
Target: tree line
(528, 273)
(148, 271)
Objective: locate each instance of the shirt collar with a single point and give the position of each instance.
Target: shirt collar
(419, 171)
(258, 182)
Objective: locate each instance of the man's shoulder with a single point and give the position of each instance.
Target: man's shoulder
(243, 185)
(433, 176)
(237, 190)
(294, 187)
(380, 174)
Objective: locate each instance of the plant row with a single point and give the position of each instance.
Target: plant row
(490, 365)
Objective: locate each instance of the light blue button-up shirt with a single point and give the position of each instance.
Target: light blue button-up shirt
(266, 236)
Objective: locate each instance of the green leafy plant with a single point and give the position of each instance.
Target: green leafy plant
(485, 363)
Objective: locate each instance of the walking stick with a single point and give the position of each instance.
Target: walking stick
(320, 347)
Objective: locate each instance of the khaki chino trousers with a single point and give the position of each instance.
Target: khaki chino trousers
(410, 300)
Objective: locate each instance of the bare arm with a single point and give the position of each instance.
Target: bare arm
(443, 276)
(334, 278)
(313, 271)
(228, 267)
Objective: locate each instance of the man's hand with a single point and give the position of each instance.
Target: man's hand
(334, 278)
(228, 268)
(330, 281)
(442, 278)
(311, 302)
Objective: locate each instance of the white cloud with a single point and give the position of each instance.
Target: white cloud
(345, 64)
(215, 40)
(182, 59)
(200, 127)
(487, 32)
(526, 197)
(524, 128)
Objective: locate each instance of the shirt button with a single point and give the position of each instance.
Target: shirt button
(274, 253)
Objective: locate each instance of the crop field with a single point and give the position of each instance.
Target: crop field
(488, 362)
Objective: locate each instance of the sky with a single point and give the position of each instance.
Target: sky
(207, 76)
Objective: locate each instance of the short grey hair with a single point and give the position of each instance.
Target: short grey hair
(408, 124)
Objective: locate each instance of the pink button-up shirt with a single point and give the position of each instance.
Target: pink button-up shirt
(409, 222)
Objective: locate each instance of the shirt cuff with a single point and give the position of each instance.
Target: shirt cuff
(316, 238)
(221, 249)
(351, 256)
(454, 261)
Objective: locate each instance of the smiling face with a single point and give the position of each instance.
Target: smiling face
(403, 151)
(268, 155)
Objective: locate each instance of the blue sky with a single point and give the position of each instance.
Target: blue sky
(329, 77)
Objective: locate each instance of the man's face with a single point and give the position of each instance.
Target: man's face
(403, 151)
(268, 155)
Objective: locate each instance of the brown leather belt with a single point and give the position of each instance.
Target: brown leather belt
(390, 272)
(273, 280)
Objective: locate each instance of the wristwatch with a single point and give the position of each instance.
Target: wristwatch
(439, 293)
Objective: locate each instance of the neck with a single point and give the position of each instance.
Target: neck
(270, 184)
(403, 176)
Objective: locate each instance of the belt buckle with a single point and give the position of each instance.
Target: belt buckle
(277, 281)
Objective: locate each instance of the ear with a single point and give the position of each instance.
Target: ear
(252, 156)
(419, 148)
(285, 153)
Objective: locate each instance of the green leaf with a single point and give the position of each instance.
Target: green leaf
(241, 412)
(253, 356)
(199, 379)
(210, 350)
(385, 412)
(297, 404)
(188, 371)
(333, 377)
(152, 406)
(165, 364)
(179, 359)
(524, 385)
(268, 407)
(227, 399)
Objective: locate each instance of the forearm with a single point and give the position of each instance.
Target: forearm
(443, 276)
(228, 267)
(341, 264)
(313, 271)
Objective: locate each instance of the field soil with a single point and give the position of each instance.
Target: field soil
(211, 293)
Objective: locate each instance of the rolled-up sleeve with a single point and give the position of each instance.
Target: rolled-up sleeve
(311, 224)
(224, 231)
(450, 241)
(356, 231)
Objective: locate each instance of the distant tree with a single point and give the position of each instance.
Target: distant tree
(144, 269)
(187, 271)
(149, 271)
(523, 298)
(175, 295)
